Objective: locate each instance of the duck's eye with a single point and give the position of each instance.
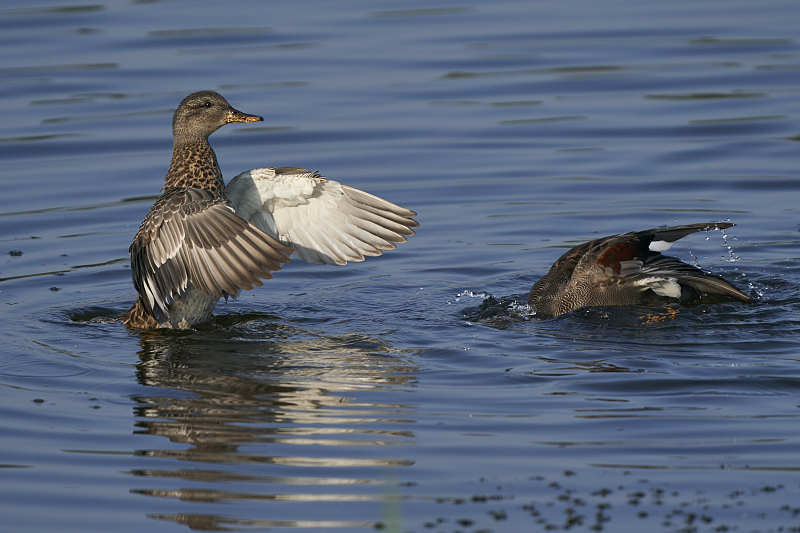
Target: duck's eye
(206, 104)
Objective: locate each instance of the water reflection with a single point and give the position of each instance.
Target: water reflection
(262, 410)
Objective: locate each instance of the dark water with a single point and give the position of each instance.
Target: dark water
(381, 395)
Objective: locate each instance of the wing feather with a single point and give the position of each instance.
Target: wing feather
(193, 237)
(243, 257)
(323, 220)
(238, 270)
(379, 204)
(382, 220)
(370, 243)
(406, 222)
(387, 235)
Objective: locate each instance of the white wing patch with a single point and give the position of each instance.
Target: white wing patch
(668, 287)
(660, 246)
(325, 221)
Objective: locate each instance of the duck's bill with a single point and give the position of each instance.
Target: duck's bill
(234, 115)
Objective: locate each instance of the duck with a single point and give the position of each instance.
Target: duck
(629, 269)
(203, 240)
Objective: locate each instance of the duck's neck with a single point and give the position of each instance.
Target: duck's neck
(194, 165)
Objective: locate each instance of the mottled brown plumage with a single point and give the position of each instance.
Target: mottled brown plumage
(628, 269)
(192, 248)
(139, 317)
(194, 165)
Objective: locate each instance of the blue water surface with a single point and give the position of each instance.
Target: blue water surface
(415, 391)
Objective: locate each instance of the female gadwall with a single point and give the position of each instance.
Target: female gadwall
(628, 269)
(202, 240)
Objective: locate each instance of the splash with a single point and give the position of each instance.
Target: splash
(759, 290)
(497, 312)
(726, 243)
(466, 293)
(522, 311)
(731, 256)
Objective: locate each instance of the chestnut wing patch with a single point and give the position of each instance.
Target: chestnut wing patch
(619, 253)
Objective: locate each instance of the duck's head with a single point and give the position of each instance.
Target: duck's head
(200, 114)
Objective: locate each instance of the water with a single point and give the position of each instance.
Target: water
(412, 392)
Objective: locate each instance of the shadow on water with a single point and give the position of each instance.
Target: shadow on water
(239, 398)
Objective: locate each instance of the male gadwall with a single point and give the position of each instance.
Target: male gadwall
(628, 269)
(202, 240)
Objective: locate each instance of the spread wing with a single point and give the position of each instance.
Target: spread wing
(323, 220)
(193, 237)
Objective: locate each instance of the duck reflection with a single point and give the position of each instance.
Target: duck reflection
(272, 419)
